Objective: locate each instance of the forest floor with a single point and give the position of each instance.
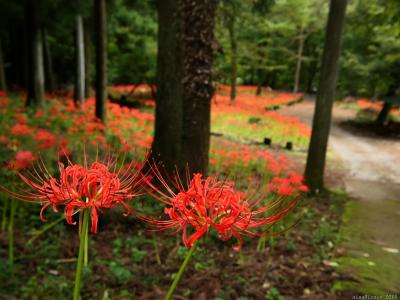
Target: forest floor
(372, 179)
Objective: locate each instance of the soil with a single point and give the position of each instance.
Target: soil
(296, 267)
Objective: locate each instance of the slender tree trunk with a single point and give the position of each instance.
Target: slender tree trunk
(80, 61)
(314, 172)
(232, 39)
(168, 118)
(28, 52)
(101, 59)
(312, 70)
(197, 39)
(299, 61)
(48, 63)
(384, 113)
(36, 68)
(88, 57)
(38, 65)
(3, 85)
(260, 82)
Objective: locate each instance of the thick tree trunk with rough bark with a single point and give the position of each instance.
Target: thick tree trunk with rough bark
(168, 121)
(184, 84)
(101, 59)
(3, 84)
(314, 173)
(197, 39)
(48, 63)
(80, 62)
(299, 61)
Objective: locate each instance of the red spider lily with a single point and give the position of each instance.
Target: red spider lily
(211, 204)
(20, 129)
(45, 139)
(288, 186)
(23, 159)
(102, 185)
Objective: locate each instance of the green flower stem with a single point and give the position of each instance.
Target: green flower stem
(241, 257)
(83, 237)
(4, 216)
(261, 243)
(11, 232)
(156, 250)
(86, 250)
(180, 273)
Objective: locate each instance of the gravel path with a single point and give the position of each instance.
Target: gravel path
(372, 164)
(371, 222)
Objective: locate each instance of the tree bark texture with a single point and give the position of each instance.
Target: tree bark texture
(314, 172)
(101, 59)
(197, 41)
(184, 84)
(168, 118)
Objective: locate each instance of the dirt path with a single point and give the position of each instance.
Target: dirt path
(372, 220)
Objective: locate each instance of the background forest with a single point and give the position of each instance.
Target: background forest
(264, 42)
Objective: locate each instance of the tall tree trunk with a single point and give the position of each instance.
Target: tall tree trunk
(233, 42)
(101, 59)
(184, 83)
(168, 118)
(48, 63)
(80, 62)
(88, 57)
(3, 85)
(260, 80)
(38, 65)
(28, 52)
(312, 70)
(18, 56)
(299, 61)
(384, 113)
(197, 39)
(36, 68)
(314, 173)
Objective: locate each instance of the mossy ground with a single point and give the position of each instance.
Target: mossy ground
(367, 229)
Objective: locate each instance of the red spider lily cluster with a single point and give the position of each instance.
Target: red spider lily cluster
(374, 105)
(23, 160)
(288, 186)
(204, 204)
(211, 204)
(100, 185)
(251, 102)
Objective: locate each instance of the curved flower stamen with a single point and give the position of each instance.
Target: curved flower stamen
(97, 186)
(207, 203)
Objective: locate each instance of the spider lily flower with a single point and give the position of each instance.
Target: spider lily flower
(208, 204)
(95, 187)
